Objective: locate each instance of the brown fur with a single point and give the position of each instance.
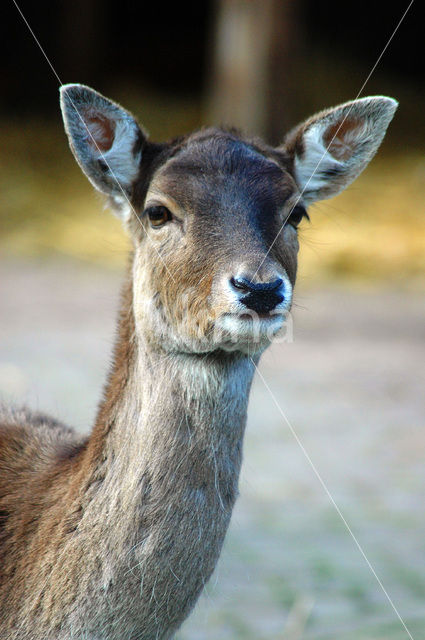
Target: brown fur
(113, 537)
(91, 510)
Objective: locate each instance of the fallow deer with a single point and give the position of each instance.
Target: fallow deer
(113, 536)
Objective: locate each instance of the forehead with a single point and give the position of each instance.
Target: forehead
(222, 167)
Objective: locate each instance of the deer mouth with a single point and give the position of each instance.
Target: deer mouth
(241, 328)
(253, 322)
(259, 317)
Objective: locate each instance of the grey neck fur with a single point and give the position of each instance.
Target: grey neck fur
(163, 491)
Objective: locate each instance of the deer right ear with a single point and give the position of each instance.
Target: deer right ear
(333, 147)
(105, 139)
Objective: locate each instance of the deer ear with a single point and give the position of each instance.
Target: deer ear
(333, 147)
(105, 139)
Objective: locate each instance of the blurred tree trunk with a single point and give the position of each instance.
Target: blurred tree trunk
(252, 68)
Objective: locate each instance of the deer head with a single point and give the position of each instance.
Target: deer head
(213, 217)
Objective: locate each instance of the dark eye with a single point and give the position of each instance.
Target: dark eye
(158, 215)
(296, 215)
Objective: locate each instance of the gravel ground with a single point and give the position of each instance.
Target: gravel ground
(336, 423)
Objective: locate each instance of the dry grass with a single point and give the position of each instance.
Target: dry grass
(374, 231)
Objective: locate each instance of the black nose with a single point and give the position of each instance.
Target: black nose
(261, 297)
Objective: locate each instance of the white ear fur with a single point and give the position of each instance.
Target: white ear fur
(333, 147)
(104, 138)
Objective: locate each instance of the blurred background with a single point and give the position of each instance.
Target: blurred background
(352, 381)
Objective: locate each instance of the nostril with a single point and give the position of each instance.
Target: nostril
(243, 284)
(272, 286)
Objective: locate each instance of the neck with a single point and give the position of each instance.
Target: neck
(165, 456)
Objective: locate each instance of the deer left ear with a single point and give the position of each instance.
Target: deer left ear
(105, 139)
(333, 147)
